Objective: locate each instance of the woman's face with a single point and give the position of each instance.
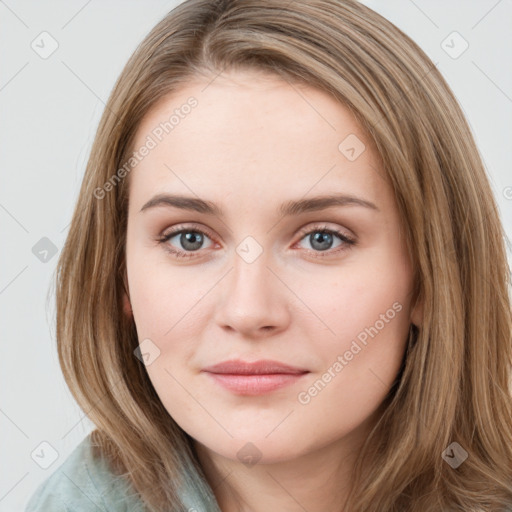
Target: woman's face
(291, 251)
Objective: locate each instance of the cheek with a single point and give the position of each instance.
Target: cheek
(171, 306)
(165, 298)
(366, 311)
(374, 291)
(361, 362)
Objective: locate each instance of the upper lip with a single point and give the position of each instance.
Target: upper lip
(261, 367)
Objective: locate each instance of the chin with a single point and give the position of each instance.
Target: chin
(250, 450)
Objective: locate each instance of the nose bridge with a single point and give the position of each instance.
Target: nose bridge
(251, 278)
(251, 299)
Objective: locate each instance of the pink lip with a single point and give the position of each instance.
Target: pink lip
(254, 378)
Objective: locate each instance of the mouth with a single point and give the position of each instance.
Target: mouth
(256, 378)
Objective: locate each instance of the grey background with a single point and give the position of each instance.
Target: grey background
(49, 110)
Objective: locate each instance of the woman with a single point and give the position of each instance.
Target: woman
(285, 283)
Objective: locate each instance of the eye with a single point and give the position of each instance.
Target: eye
(190, 240)
(321, 240)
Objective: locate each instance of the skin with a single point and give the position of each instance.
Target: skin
(253, 142)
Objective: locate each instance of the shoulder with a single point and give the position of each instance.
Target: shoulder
(83, 483)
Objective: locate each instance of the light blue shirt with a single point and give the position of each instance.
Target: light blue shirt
(84, 483)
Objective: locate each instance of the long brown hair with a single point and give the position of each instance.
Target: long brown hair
(454, 387)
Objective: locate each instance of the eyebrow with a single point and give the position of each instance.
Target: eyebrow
(292, 207)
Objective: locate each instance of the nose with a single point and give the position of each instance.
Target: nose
(253, 300)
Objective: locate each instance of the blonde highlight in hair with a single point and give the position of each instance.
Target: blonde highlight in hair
(455, 382)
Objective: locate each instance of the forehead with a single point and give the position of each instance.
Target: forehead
(257, 134)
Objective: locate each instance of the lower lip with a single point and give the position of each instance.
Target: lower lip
(255, 384)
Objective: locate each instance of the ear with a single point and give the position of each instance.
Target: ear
(417, 312)
(127, 307)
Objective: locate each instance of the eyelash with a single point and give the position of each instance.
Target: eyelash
(347, 241)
